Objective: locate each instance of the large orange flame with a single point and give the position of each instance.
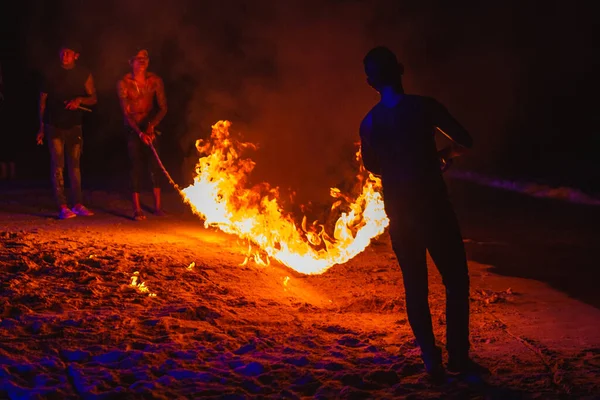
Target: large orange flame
(221, 197)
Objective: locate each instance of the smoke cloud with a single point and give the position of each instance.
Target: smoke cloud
(289, 74)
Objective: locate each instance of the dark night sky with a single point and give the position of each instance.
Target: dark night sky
(521, 76)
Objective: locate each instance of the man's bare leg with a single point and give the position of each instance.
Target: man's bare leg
(138, 214)
(157, 203)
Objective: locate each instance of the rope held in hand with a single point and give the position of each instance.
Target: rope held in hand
(164, 170)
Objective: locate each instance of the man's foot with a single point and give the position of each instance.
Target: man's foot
(81, 210)
(65, 213)
(138, 215)
(436, 373)
(468, 369)
(466, 365)
(434, 366)
(159, 213)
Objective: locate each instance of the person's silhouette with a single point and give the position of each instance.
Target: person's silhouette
(397, 143)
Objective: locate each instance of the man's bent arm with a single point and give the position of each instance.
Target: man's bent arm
(450, 127)
(122, 93)
(162, 104)
(90, 89)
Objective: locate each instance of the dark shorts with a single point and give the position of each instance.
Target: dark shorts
(142, 162)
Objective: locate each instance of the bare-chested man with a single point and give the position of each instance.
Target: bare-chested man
(137, 91)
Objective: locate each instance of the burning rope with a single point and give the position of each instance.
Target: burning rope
(221, 197)
(164, 170)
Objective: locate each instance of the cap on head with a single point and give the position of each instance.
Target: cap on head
(382, 67)
(71, 45)
(139, 52)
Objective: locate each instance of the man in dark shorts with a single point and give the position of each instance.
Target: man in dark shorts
(137, 92)
(66, 90)
(397, 143)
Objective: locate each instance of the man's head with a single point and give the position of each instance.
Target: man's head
(69, 53)
(139, 60)
(383, 69)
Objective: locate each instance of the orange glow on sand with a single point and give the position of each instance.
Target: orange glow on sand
(220, 195)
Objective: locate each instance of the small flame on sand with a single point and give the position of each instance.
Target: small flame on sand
(141, 287)
(221, 197)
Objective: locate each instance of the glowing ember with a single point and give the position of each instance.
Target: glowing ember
(221, 197)
(141, 287)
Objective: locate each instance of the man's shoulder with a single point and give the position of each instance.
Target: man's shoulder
(369, 114)
(154, 77)
(50, 77)
(367, 122)
(373, 110)
(125, 78)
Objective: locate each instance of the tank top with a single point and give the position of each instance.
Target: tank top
(63, 85)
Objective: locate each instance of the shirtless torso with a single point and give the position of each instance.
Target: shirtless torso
(137, 95)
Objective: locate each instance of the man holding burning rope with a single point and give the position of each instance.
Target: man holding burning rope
(137, 92)
(66, 91)
(397, 143)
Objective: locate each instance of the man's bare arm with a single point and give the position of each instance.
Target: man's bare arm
(42, 110)
(88, 100)
(90, 89)
(162, 104)
(447, 125)
(123, 101)
(450, 127)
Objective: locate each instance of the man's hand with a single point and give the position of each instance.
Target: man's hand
(40, 137)
(149, 135)
(446, 155)
(73, 104)
(147, 139)
(150, 131)
(445, 163)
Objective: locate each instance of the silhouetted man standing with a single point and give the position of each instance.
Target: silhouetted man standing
(66, 88)
(137, 92)
(397, 143)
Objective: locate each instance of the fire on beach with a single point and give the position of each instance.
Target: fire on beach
(221, 197)
(109, 308)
